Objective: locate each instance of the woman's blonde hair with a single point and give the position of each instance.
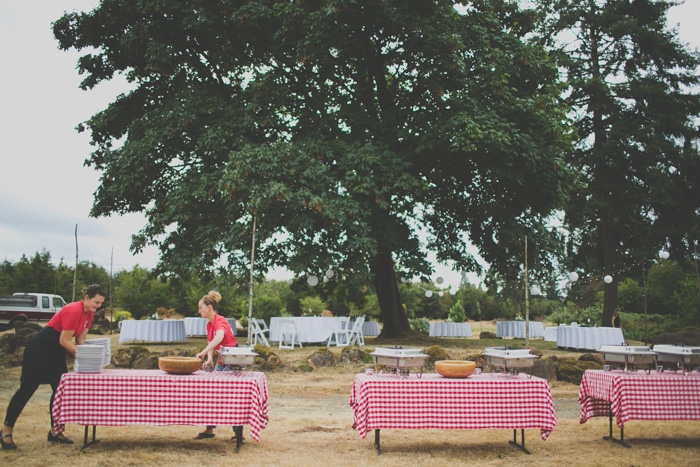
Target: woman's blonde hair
(212, 298)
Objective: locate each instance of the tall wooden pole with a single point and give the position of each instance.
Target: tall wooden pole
(527, 302)
(75, 271)
(250, 285)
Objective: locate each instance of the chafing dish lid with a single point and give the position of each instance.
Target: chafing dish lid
(625, 349)
(676, 349)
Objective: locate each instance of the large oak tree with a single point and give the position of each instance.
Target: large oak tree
(342, 128)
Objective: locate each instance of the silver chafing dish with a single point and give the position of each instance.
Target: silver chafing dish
(508, 359)
(237, 356)
(399, 359)
(631, 356)
(685, 357)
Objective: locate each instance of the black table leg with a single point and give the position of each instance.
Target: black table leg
(515, 441)
(622, 434)
(239, 437)
(85, 438)
(376, 441)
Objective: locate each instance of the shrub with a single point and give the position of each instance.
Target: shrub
(121, 315)
(420, 325)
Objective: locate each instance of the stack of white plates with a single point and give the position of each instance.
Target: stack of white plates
(89, 358)
(104, 341)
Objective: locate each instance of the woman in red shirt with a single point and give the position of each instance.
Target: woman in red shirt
(44, 360)
(219, 333)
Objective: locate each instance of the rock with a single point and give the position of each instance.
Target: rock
(487, 335)
(434, 354)
(125, 358)
(544, 368)
(26, 331)
(22, 325)
(322, 358)
(11, 342)
(17, 356)
(571, 370)
(352, 355)
(145, 363)
(591, 357)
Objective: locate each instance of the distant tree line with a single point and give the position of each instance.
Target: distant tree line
(672, 296)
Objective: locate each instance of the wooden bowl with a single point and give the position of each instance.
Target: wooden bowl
(179, 365)
(455, 368)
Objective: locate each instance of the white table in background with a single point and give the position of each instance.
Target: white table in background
(550, 333)
(577, 337)
(517, 329)
(441, 329)
(198, 326)
(370, 328)
(151, 330)
(309, 328)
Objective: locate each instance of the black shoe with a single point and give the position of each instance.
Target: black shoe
(59, 439)
(5, 445)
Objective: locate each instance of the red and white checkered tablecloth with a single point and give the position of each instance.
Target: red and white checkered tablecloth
(153, 397)
(639, 396)
(435, 402)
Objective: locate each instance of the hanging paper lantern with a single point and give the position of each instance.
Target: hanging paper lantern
(439, 280)
(535, 290)
(330, 273)
(608, 279)
(428, 293)
(312, 281)
(665, 254)
(573, 276)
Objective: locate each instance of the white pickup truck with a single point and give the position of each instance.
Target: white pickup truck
(29, 307)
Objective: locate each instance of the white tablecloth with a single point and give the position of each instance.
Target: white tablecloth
(550, 333)
(370, 328)
(517, 329)
(167, 330)
(309, 328)
(588, 338)
(198, 326)
(441, 329)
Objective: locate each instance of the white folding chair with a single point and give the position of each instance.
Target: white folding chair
(288, 334)
(355, 335)
(258, 328)
(340, 332)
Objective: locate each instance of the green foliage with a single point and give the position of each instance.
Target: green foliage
(312, 306)
(457, 314)
(569, 313)
(139, 293)
(121, 315)
(420, 325)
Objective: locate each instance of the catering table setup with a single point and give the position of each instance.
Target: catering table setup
(433, 401)
(580, 337)
(197, 327)
(447, 329)
(152, 330)
(309, 328)
(155, 397)
(638, 395)
(517, 329)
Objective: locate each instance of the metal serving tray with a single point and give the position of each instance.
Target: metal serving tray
(509, 359)
(629, 355)
(399, 358)
(239, 356)
(684, 357)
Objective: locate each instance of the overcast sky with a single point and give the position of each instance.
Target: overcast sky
(44, 188)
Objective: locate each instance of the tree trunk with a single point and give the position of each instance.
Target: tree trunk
(391, 310)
